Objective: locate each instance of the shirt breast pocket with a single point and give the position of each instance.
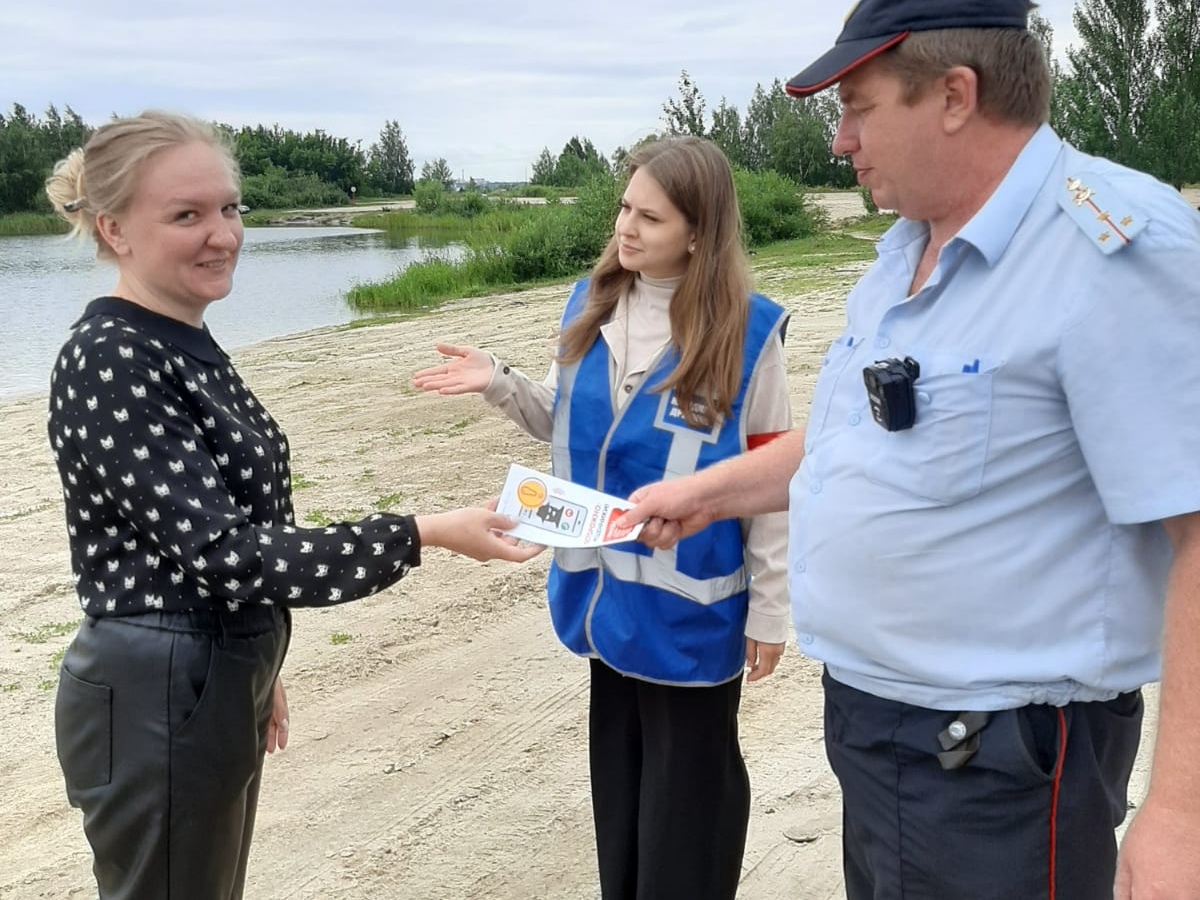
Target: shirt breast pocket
(942, 457)
(833, 364)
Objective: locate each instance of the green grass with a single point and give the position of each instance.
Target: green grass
(428, 284)
(299, 481)
(318, 517)
(482, 229)
(874, 224)
(831, 261)
(818, 250)
(29, 223)
(43, 633)
(340, 637)
(388, 501)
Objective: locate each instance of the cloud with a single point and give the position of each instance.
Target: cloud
(485, 85)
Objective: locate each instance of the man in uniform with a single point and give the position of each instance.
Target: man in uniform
(993, 507)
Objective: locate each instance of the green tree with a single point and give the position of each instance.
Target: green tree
(1105, 92)
(1044, 31)
(333, 160)
(620, 156)
(726, 132)
(578, 163)
(685, 114)
(63, 133)
(437, 170)
(1171, 120)
(793, 137)
(543, 168)
(761, 113)
(1132, 90)
(29, 148)
(389, 166)
(21, 162)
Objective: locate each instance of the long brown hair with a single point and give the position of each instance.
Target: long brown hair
(709, 307)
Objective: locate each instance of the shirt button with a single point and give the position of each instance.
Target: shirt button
(806, 638)
(855, 418)
(628, 388)
(825, 361)
(883, 342)
(815, 487)
(801, 566)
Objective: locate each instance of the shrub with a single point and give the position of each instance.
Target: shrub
(541, 247)
(774, 209)
(468, 204)
(278, 189)
(429, 195)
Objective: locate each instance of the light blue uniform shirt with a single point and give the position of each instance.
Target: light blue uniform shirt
(1006, 550)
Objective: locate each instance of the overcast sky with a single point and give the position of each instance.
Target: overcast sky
(484, 84)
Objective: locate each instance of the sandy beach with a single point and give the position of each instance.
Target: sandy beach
(438, 729)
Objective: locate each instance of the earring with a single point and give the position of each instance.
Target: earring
(691, 248)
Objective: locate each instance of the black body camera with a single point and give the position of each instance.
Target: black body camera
(890, 390)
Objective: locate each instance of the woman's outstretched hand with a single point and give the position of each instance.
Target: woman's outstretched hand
(475, 532)
(465, 370)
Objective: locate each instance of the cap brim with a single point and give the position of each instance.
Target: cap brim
(833, 66)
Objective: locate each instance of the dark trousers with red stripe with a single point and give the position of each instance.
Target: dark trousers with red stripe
(1031, 816)
(670, 793)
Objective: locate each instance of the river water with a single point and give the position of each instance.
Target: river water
(288, 280)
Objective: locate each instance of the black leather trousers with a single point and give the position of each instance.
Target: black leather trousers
(161, 723)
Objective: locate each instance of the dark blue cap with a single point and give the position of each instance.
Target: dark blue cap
(874, 26)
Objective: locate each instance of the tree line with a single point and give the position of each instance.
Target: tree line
(1130, 91)
(280, 167)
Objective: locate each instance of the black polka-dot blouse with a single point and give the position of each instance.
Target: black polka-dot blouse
(177, 481)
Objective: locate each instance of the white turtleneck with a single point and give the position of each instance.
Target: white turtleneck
(639, 328)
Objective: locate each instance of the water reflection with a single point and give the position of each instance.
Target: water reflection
(288, 280)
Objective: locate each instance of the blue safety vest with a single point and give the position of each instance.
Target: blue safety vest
(673, 616)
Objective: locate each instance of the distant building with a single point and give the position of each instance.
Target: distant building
(483, 185)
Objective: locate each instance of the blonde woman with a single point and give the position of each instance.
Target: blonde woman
(184, 550)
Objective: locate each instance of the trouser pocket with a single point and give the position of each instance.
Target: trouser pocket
(83, 732)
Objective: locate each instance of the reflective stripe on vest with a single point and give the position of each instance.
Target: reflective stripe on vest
(659, 570)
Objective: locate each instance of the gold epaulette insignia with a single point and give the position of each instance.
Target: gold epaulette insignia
(1089, 206)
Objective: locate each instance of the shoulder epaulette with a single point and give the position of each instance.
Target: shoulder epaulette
(1101, 212)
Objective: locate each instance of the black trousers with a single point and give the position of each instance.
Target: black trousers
(670, 793)
(161, 723)
(1030, 816)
